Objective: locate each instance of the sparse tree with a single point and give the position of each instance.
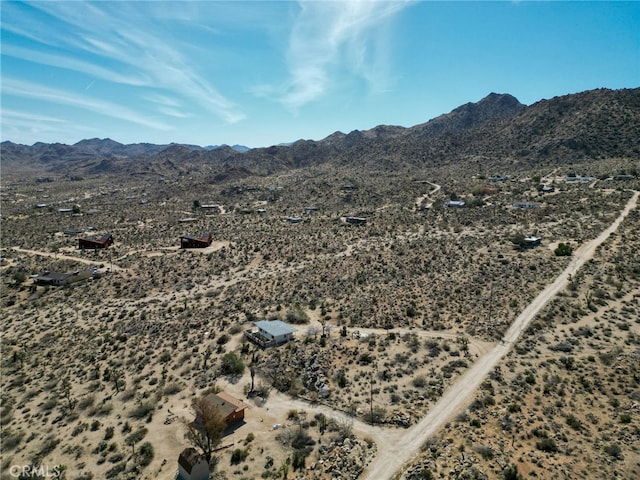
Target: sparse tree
(207, 430)
(206, 355)
(117, 375)
(66, 391)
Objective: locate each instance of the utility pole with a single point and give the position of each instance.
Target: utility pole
(490, 302)
(371, 397)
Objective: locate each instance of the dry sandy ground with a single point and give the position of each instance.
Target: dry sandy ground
(395, 452)
(395, 447)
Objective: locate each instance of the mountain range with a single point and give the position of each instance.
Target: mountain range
(497, 129)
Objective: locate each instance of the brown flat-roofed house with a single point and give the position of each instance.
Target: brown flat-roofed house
(94, 243)
(191, 241)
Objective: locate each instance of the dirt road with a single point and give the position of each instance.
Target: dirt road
(60, 256)
(393, 457)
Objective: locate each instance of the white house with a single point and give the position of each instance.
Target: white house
(271, 332)
(192, 465)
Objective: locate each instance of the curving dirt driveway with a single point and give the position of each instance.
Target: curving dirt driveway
(393, 457)
(60, 256)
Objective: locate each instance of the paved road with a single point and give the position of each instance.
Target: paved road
(394, 456)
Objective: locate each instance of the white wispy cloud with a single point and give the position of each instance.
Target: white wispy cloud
(329, 37)
(34, 91)
(134, 51)
(75, 64)
(23, 127)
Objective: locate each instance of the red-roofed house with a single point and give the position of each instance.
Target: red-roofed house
(229, 407)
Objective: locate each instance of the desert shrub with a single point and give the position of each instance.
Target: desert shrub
(11, 439)
(298, 460)
(297, 315)
(50, 404)
(86, 402)
(108, 434)
(301, 440)
(511, 473)
(563, 250)
(78, 429)
(145, 454)
(232, 364)
(102, 409)
(116, 457)
(573, 422)
(613, 450)
(116, 470)
(485, 451)
(547, 445)
(142, 410)
(48, 446)
(172, 388)
(239, 455)
(420, 381)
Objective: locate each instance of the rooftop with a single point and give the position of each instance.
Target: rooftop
(275, 327)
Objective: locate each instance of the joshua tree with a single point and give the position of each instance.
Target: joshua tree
(117, 376)
(66, 391)
(253, 376)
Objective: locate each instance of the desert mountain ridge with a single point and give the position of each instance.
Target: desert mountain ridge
(496, 129)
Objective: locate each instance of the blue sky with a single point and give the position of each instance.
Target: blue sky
(259, 73)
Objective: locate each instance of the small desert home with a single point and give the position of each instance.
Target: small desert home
(270, 333)
(229, 407)
(192, 465)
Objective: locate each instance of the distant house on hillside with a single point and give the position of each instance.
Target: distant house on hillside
(270, 333)
(356, 220)
(498, 178)
(214, 207)
(190, 241)
(525, 205)
(94, 243)
(530, 242)
(59, 279)
(578, 178)
(192, 465)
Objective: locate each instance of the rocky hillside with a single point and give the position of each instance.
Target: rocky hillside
(496, 130)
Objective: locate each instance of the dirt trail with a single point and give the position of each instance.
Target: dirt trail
(60, 256)
(428, 195)
(393, 457)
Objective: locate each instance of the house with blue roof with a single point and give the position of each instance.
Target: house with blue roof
(270, 333)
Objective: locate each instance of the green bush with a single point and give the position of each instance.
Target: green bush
(563, 250)
(145, 454)
(613, 450)
(239, 455)
(547, 445)
(232, 364)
